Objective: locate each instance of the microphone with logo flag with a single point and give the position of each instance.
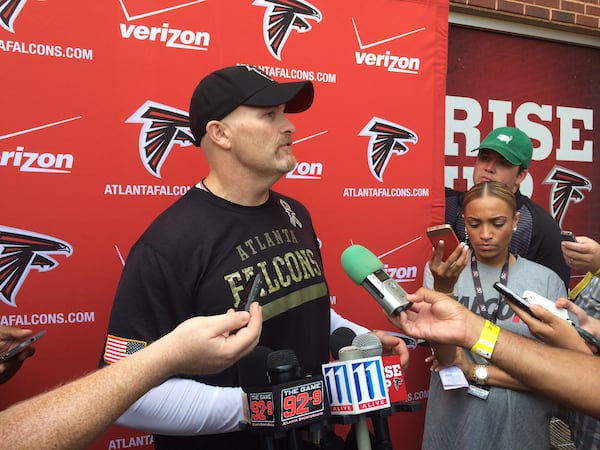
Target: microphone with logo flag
(365, 269)
(355, 386)
(361, 428)
(370, 346)
(286, 401)
(252, 373)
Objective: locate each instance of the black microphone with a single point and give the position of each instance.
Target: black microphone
(365, 269)
(283, 367)
(341, 337)
(252, 373)
(252, 368)
(370, 345)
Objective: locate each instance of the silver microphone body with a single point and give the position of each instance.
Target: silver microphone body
(389, 294)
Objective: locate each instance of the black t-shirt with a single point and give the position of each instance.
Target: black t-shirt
(195, 258)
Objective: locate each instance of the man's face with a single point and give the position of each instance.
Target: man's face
(491, 166)
(261, 139)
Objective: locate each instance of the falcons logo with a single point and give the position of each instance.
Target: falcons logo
(283, 16)
(9, 10)
(21, 251)
(163, 126)
(567, 187)
(386, 139)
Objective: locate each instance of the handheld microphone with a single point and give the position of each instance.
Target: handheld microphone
(283, 367)
(370, 345)
(341, 337)
(252, 373)
(365, 269)
(252, 368)
(361, 429)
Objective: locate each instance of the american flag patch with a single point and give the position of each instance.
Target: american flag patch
(118, 348)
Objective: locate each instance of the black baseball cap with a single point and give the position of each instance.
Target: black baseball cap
(223, 90)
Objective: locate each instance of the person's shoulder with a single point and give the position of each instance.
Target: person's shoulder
(174, 218)
(453, 193)
(523, 200)
(529, 266)
(278, 197)
(536, 209)
(541, 276)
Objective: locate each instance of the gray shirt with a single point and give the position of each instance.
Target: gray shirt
(508, 419)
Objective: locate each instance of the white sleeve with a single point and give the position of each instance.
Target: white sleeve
(337, 321)
(181, 407)
(427, 277)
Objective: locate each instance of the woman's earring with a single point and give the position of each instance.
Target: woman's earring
(514, 229)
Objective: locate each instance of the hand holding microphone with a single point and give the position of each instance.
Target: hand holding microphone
(365, 269)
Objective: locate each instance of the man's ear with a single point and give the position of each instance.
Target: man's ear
(218, 133)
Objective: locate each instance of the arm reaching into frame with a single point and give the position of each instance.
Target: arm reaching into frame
(72, 416)
(567, 376)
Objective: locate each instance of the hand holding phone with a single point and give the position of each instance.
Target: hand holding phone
(21, 346)
(443, 233)
(514, 297)
(567, 236)
(530, 297)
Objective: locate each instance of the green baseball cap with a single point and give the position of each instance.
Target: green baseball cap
(511, 143)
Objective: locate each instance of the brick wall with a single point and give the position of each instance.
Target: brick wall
(573, 15)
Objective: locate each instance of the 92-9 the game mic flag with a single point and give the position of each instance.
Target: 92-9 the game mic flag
(365, 269)
(286, 401)
(252, 373)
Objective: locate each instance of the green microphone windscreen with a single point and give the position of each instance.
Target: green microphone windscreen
(358, 263)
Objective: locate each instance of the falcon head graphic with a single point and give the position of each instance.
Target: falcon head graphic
(567, 187)
(283, 16)
(9, 10)
(162, 127)
(386, 139)
(21, 251)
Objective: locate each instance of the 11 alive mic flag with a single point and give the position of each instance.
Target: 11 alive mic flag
(356, 386)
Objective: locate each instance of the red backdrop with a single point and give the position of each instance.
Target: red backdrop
(81, 180)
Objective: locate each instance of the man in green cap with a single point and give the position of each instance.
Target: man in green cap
(504, 156)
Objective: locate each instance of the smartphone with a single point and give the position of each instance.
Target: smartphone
(443, 233)
(588, 337)
(537, 299)
(251, 292)
(514, 297)
(21, 346)
(567, 236)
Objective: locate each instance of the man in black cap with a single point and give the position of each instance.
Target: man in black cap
(198, 255)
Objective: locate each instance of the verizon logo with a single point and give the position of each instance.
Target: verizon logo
(392, 63)
(172, 37)
(37, 162)
(306, 171)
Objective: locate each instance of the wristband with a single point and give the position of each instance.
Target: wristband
(487, 340)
